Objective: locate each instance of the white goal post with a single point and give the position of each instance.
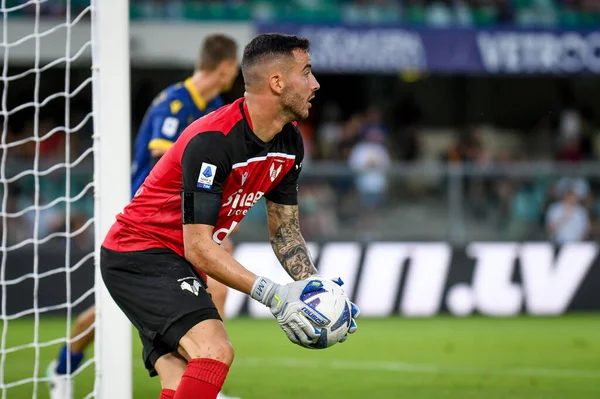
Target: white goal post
(112, 136)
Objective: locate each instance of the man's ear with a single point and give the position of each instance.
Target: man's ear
(276, 83)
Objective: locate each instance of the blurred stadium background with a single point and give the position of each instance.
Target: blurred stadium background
(448, 139)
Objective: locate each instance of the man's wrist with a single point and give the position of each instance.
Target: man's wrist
(262, 290)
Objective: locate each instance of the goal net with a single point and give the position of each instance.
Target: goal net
(51, 187)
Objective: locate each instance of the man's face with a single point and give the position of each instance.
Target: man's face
(228, 73)
(300, 87)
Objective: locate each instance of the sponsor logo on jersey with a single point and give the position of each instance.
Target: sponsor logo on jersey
(240, 202)
(207, 176)
(221, 234)
(242, 193)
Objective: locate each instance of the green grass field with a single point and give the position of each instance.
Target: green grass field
(442, 357)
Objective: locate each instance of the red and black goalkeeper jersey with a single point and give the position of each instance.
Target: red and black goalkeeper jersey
(217, 159)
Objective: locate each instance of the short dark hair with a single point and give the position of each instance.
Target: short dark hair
(271, 45)
(216, 48)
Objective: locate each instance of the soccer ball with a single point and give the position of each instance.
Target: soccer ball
(328, 308)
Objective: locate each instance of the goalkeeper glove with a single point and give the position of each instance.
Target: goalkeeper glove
(284, 303)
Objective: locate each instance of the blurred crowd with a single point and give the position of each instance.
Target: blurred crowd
(541, 205)
(424, 12)
(538, 206)
(529, 204)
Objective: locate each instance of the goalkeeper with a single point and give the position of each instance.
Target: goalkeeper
(171, 111)
(156, 256)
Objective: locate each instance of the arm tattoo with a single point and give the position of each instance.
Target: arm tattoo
(287, 241)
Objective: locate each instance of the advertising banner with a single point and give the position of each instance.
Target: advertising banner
(351, 49)
(426, 279)
(383, 278)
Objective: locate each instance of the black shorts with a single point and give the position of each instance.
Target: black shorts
(161, 293)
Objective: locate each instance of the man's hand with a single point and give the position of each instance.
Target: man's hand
(284, 302)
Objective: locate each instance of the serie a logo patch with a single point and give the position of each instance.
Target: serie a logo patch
(206, 176)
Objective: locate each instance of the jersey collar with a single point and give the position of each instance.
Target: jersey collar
(198, 100)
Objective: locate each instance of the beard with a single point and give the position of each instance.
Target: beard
(294, 105)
